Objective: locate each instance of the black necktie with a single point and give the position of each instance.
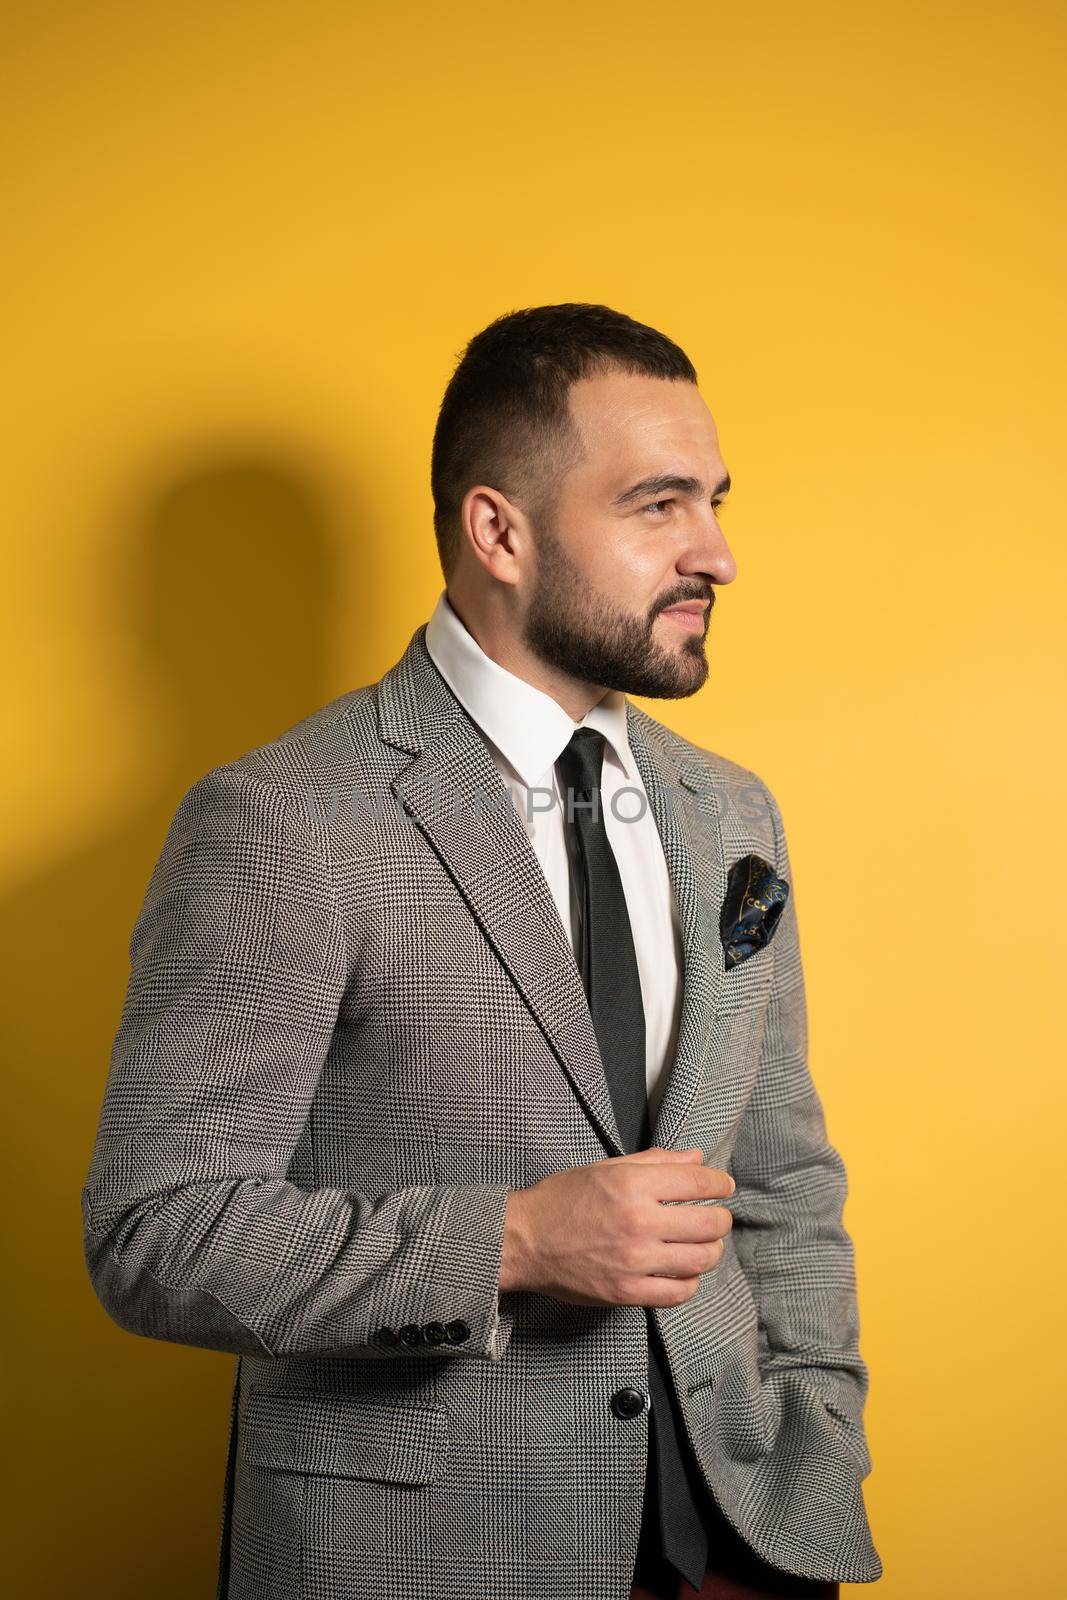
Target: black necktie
(672, 1525)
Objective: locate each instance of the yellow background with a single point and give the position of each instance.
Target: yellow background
(246, 243)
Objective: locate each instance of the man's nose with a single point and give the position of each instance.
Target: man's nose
(708, 553)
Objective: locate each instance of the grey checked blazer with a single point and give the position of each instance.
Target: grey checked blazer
(353, 1023)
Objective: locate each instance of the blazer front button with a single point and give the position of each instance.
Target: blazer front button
(411, 1334)
(628, 1402)
(456, 1332)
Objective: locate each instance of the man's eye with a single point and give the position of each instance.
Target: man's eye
(654, 503)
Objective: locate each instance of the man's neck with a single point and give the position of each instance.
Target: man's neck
(501, 645)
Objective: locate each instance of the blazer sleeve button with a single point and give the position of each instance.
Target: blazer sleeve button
(385, 1337)
(410, 1334)
(457, 1331)
(434, 1333)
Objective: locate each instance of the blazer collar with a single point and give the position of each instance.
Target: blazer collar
(453, 790)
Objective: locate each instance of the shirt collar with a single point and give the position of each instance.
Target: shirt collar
(528, 727)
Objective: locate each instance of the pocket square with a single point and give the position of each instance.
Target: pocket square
(755, 900)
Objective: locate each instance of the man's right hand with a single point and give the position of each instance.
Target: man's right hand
(600, 1235)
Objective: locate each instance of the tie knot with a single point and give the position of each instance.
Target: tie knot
(582, 762)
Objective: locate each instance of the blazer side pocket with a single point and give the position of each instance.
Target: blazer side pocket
(311, 1431)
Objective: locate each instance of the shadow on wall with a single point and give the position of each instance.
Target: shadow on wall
(223, 586)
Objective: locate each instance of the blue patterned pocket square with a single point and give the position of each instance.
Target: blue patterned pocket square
(755, 900)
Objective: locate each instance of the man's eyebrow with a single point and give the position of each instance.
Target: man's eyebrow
(693, 488)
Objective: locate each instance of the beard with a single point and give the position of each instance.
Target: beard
(588, 637)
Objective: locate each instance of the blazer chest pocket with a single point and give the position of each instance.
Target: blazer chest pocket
(338, 1434)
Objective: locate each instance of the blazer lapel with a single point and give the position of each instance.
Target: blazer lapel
(458, 799)
(684, 802)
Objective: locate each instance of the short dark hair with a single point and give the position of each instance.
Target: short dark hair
(505, 418)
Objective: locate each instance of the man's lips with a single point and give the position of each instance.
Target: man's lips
(688, 614)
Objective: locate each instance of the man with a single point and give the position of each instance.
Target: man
(461, 1085)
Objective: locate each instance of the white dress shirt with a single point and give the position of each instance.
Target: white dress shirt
(526, 732)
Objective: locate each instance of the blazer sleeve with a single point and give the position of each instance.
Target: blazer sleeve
(788, 1206)
(192, 1230)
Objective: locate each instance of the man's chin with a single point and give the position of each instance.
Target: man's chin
(682, 690)
(673, 680)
